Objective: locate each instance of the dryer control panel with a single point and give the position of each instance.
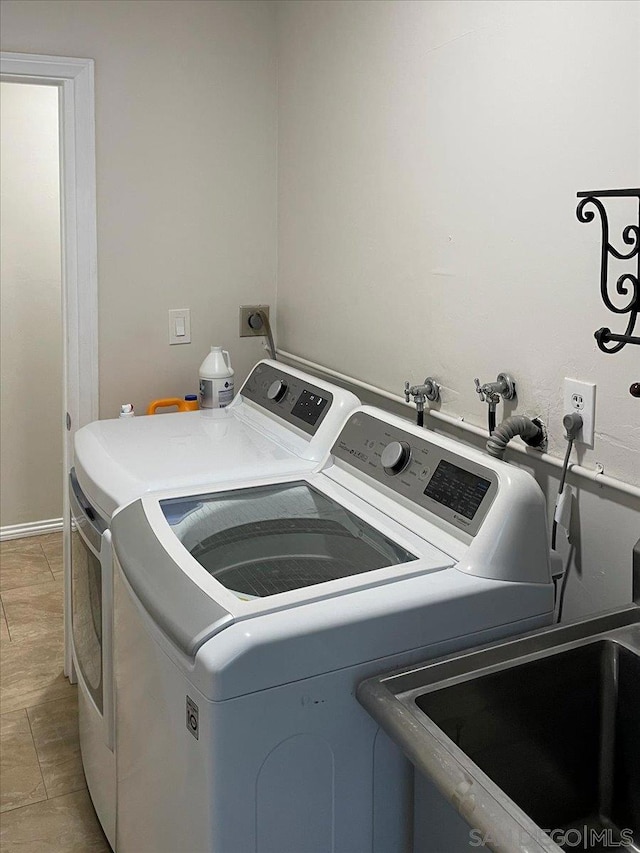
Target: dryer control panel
(295, 400)
(448, 484)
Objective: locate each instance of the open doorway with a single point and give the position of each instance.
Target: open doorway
(31, 386)
(72, 80)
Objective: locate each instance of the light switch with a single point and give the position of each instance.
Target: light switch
(180, 326)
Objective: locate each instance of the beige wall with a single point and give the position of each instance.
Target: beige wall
(429, 159)
(30, 309)
(186, 159)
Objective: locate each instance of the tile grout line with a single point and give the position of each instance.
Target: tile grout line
(6, 621)
(83, 787)
(42, 624)
(48, 562)
(36, 802)
(37, 755)
(44, 554)
(40, 802)
(49, 569)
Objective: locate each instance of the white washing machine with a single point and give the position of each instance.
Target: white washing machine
(282, 421)
(247, 616)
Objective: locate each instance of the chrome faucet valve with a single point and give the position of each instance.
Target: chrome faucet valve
(430, 390)
(479, 389)
(490, 392)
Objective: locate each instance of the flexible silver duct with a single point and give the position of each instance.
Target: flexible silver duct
(259, 320)
(530, 432)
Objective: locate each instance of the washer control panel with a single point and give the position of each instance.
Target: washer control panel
(453, 487)
(292, 399)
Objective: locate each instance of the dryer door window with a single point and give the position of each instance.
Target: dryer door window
(266, 540)
(86, 616)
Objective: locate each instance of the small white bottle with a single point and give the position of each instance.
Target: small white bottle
(216, 380)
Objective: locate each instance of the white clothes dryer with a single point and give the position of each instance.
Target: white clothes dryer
(282, 421)
(247, 616)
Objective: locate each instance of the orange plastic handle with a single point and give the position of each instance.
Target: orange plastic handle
(167, 401)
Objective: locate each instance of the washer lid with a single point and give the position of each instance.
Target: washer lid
(265, 540)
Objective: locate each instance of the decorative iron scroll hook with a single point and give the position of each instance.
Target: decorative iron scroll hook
(628, 284)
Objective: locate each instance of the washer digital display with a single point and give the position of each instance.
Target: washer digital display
(309, 406)
(457, 489)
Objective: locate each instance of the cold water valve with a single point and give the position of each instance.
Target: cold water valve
(429, 390)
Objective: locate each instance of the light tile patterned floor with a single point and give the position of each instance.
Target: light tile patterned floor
(44, 800)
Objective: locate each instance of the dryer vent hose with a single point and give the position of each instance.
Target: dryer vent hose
(260, 320)
(531, 432)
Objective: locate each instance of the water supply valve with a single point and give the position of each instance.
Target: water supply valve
(429, 390)
(490, 393)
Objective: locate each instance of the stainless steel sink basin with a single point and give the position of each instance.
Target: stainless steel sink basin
(559, 735)
(534, 741)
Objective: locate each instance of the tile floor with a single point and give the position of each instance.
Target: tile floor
(44, 803)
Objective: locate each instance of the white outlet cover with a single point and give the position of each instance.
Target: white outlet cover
(580, 397)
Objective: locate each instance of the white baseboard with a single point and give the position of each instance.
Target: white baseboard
(31, 528)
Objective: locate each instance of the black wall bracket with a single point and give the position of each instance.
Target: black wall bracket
(627, 286)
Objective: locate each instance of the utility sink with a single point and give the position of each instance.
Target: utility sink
(534, 741)
(559, 735)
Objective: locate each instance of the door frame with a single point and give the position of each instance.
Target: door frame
(74, 79)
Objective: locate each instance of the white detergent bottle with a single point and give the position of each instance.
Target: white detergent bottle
(216, 380)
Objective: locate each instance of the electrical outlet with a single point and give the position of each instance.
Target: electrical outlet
(580, 397)
(245, 312)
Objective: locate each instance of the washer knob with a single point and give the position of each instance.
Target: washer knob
(395, 457)
(277, 390)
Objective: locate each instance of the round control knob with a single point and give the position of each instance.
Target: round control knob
(277, 390)
(395, 457)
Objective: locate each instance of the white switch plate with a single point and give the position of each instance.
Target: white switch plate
(580, 397)
(180, 326)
